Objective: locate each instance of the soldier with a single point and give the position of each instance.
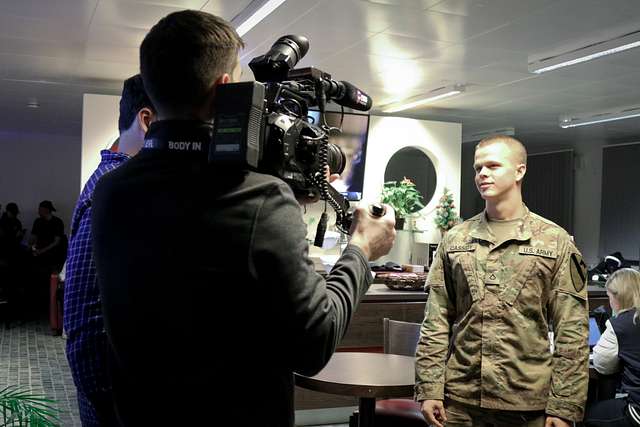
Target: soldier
(498, 282)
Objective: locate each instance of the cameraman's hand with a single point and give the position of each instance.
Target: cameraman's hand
(373, 235)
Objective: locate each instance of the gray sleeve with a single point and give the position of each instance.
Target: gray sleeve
(314, 312)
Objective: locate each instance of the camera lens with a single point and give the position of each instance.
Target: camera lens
(336, 159)
(275, 65)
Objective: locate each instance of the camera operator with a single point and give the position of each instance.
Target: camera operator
(210, 300)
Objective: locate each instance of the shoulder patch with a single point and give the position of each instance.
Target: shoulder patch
(578, 272)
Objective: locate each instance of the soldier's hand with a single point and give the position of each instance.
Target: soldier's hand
(433, 411)
(372, 234)
(556, 422)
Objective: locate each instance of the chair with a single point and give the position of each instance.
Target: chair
(399, 338)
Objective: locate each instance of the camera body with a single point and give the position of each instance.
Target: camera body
(264, 125)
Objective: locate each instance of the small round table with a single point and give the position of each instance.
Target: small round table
(366, 376)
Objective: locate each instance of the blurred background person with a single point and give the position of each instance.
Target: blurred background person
(618, 350)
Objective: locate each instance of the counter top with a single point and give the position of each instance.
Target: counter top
(379, 292)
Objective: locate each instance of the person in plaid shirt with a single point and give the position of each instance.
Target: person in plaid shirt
(83, 320)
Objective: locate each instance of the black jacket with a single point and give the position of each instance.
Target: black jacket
(210, 300)
(628, 335)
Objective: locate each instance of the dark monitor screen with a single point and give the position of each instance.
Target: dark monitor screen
(594, 332)
(353, 141)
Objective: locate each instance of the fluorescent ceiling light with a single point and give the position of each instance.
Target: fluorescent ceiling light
(572, 122)
(480, 135)
(586, 53)
(255, 12)
(434, 95)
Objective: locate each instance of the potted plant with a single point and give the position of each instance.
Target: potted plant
(446, 217)
(404, 198)
(19, 407)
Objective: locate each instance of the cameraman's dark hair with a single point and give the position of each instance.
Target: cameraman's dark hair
(134, 98)
(183, 54)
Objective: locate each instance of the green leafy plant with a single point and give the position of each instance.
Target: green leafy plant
(446, 217)
(19, 407)
(403, 197)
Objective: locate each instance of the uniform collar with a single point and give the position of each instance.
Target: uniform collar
(482, 231)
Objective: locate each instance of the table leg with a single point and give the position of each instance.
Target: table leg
(366, 411)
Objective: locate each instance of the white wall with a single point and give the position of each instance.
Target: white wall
(99, 129)
(442, 142)
(36, 167)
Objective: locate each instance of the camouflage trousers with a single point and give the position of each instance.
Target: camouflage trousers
(462, 415)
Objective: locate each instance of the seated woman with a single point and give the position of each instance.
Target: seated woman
(618, 350)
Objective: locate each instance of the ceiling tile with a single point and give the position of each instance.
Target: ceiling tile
(49, 48)
(400, 47)
(37, 68)
(116, 35)
(179, 4)
(498, 10)
(464, 55)
(130, 14)
(411, 4)
(99, 73)
(68, 11)
(110, 54)
(550, 27)
(228, 9)
(48, 30)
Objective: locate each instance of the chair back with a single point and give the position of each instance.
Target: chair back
(400, 337)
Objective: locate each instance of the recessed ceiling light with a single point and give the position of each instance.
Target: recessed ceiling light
(585, 53)
(255, 12)
(592, 119)
(432, 96)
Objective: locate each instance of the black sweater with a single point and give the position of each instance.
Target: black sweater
(210, 300)
(628, 335)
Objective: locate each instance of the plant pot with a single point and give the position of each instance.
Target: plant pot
(402, 248)
(399, 223)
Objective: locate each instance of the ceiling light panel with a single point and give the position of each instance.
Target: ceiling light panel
(585, 53)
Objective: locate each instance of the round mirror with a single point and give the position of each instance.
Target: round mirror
(414, 164)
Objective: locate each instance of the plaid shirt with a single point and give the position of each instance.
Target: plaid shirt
(83, 322)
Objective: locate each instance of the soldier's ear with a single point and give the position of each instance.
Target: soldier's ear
(521, 170)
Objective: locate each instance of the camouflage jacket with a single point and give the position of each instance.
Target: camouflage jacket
(484, 340)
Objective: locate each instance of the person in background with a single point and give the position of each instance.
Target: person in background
(48, 247)
(496, 282)
(210, 300)
(48, 239)
(618, 350)
(83, 320)
(10, 226)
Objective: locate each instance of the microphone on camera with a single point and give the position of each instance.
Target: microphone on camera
(345, 94)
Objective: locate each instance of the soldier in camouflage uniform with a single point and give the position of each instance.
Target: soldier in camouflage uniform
(498, 282)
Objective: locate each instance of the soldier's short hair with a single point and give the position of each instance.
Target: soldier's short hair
(516, 146)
